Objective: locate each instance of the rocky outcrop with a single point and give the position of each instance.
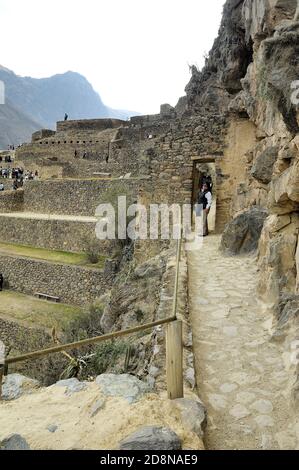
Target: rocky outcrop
(16, 385)
(14, 442)
(242, 234)
(153, 438)
(262, 169)
(193, 415)
(111, 412)
(277, 257)
(125, 386)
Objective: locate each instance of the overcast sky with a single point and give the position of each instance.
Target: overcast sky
(135, 53)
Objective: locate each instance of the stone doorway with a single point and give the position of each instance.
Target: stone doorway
(201, 171)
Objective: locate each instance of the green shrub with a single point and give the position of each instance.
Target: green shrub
(139, 314)
(92, 250)
(107, 355)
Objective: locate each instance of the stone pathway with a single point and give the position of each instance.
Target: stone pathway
(240, 372)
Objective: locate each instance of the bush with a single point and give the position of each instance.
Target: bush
(87, 325)
(139, 314)
(93, 251)
(107, 356)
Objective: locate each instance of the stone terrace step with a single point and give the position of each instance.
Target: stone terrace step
(75, 196)
(51, 231)
(73, 284)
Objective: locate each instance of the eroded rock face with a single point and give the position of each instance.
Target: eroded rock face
(134, 294)
(71, 385)
(262, 169)
(243, 233)
(193, 414)
(152, 438)
(277, 257)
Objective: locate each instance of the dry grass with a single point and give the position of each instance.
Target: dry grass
(33, 312)
(64, 257)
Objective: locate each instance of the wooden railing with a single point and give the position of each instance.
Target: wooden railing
(174, 344)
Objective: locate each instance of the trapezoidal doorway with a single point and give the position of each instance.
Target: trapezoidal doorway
(205, 172)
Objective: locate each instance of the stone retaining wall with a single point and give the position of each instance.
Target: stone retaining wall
(72, 284)
(165, 310)
(11, 201)
(51, 234)
(74, 197)
(89, 125)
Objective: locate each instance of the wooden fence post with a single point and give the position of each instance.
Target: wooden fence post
(174, 360)
(1, 379)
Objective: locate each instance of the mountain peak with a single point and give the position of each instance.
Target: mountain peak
(41, 102)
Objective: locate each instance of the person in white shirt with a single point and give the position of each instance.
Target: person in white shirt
(205, 199)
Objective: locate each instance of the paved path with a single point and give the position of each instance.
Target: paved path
(36, 216)
(240, 372)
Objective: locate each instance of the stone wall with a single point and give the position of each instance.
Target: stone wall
(60, 147)
(72, 284)
(75, 197)
(232, 168)
(165, 309)
(89, 125)
(42, 134)
(11, 201)
(65, 235)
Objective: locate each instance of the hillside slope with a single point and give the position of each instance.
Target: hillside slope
(35, 103)
(15, 126)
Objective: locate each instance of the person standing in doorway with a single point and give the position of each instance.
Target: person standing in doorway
(205, 199)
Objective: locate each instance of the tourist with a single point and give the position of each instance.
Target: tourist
(205, 200)
(1, 282)
(1, 187)
(66, 116)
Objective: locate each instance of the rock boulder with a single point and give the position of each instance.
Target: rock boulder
(16, 385)
(152, 438)
(242, 234)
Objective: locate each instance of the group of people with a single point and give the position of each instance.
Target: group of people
(11, 173)
(17, 175)
(7, 159)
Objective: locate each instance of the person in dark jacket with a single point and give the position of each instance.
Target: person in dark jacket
(205, 200)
